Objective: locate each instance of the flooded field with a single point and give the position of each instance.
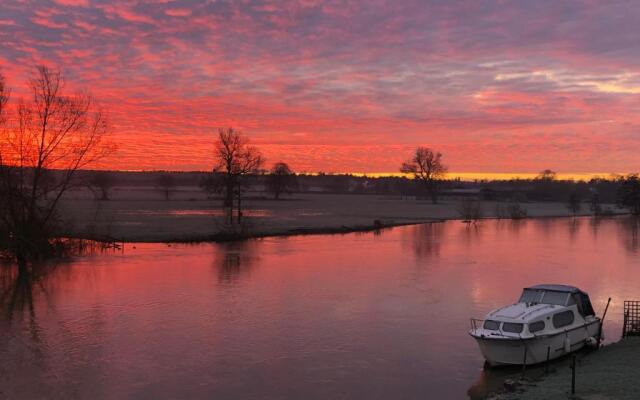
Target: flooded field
(370, 315)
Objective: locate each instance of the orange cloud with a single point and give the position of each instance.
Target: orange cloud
(344, 87)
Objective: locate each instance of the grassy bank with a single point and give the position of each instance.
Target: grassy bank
(139, 216)
(613, 372)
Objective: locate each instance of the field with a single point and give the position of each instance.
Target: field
(142, 214)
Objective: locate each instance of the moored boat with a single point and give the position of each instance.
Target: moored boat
(547, 322)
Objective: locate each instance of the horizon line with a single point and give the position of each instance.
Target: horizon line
(576, 176)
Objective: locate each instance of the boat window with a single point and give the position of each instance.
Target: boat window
(491, 325)
(557, 298)
(536, 326)
(531, 296)
(563, 319)
(584, 304)
(512, 327)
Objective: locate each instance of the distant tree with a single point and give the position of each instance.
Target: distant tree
(235, 159)
(574, 203)
(101, 183)
(165, 183)
(52, 131)
(595, 203)
(426, 166)
(470, 210)
(281, 180)
(629, 193)
(547, 175)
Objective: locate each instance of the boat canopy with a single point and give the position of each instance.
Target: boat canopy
(562, 295)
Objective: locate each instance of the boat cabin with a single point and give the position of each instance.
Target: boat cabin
(541, 309)
(560, 295)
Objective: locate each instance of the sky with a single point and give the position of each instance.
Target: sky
(347, 86)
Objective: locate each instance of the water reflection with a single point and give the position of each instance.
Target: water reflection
(234, 260)
(17, 291)
(314, 317)
(426, 239)
(629, 233)
(574, 228)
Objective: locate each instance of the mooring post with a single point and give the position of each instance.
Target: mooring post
(546, 365)
(602, 323)
(573, 375)
(524, 361)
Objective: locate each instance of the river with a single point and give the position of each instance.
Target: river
(379, 315)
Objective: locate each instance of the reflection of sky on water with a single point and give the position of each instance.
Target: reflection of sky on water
(351, 316)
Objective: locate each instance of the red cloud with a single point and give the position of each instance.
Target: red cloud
(348, 88)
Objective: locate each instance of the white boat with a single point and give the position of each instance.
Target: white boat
(547, 322)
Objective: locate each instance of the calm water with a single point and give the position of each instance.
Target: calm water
(318, 317)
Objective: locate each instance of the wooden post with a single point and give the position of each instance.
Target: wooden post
(524, 361)
(573, 374)
(602, 323)
(546, 365)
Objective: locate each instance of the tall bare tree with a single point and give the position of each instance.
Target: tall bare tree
(50, 132)
(426, 166)
(235, 159)
(281, 180)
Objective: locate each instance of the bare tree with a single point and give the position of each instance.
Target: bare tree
(628, 194)
(575, 202)
(470, 210)
(101, 183)
(547, 175)
(596, 203)
(49, 131)
(426, 166)
(165, 183)
(281, 180)
(235, 158)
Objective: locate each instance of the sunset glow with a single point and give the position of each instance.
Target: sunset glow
(498, 88)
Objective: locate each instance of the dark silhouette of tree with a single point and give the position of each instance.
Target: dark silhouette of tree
(595, 203)
(101, 183)
(547, 175)
(235, 159)
(281, 180)
(51, 131)
(427, 167)
(165, 183)
(629, 193)
(574, 203)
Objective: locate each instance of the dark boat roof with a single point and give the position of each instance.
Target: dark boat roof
(556, 288)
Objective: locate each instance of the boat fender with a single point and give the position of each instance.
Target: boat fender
(591, 341)
(567, 345)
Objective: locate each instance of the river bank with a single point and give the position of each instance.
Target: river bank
(134, 216)
(613, 372)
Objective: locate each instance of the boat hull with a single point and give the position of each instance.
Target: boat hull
(511, 351)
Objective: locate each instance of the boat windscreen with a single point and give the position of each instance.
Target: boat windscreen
(544, 297)
(557, 298)
(531, 296)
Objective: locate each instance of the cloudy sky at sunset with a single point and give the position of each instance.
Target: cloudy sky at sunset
(348, 86)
